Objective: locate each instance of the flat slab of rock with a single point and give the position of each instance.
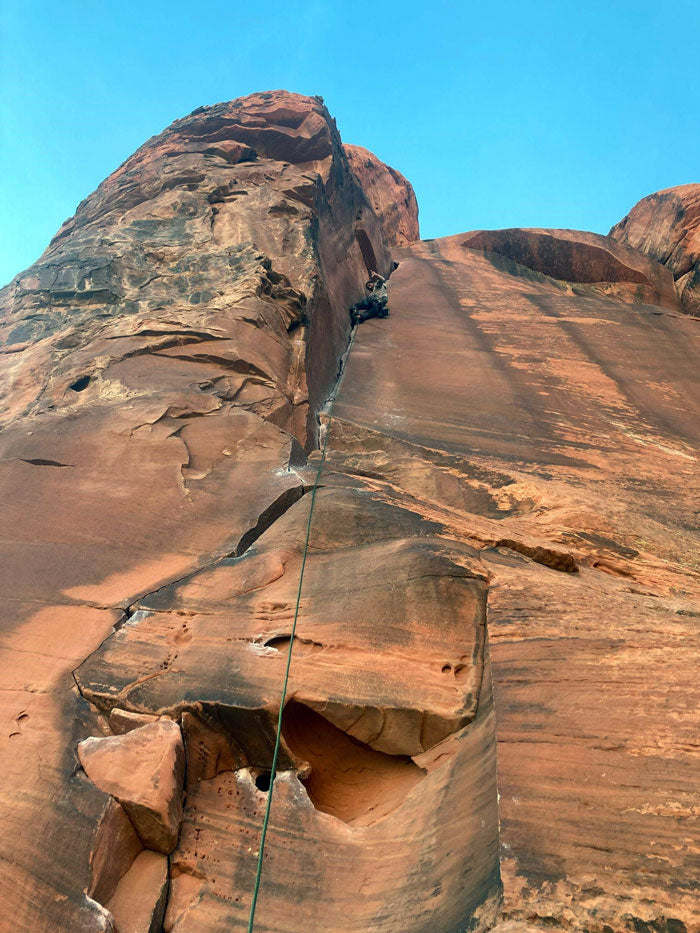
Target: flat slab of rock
(144, 770)
(531, 415)
(138, 904)
(123, 720)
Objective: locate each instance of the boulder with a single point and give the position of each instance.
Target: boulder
(144, 770)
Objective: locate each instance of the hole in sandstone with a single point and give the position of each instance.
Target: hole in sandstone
(301, 645)
(80, 384)
(279, 642)
(295, 325)
(262, 781)
(446, 668)
(348, 779)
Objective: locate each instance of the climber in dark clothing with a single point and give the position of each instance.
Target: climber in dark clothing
(374, 304)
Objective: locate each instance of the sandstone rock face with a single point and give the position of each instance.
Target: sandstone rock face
(666, 226)
(390, 194)
(532, 422)
(161, 365)
(502, 558)
(388, 741)
(145, 771)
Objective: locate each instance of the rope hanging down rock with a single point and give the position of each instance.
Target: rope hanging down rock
(273, 769)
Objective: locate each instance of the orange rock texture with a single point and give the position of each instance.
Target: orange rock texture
(389, 193)
(666, 226)
(492, 715)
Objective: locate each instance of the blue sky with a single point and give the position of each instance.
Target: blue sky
(558, 114)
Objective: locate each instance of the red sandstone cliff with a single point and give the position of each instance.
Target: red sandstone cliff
(666, 226)
(516, 444)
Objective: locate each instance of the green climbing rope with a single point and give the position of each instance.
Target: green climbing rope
(273, 769)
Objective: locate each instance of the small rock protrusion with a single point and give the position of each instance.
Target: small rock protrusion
(122, 721)
(144, 770)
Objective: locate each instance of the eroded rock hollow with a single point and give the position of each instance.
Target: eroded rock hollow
(502, 559)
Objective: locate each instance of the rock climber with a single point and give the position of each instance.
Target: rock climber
(374, 304)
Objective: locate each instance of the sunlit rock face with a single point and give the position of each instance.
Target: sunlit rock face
(554, 429)
(389, 193)
(666, 226)
(166, 360)
(502, 558)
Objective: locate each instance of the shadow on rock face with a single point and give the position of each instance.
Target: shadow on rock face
(348, 779)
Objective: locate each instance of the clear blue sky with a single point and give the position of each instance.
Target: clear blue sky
(544, 113)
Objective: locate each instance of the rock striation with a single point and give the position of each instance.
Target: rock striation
(502, 560)
(666, 226)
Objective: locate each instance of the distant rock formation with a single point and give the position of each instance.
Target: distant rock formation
(666, 226)
(502, 558)
(389, 193)
(585, 263)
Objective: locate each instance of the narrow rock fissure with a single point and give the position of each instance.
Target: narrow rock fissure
(267, 518)
(40, 461)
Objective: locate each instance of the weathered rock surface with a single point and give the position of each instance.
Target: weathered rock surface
(516, 444)
(145, 771)
(391, 721)
(47, 810)
(666, 226)
(390, 194)
(161, 362)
